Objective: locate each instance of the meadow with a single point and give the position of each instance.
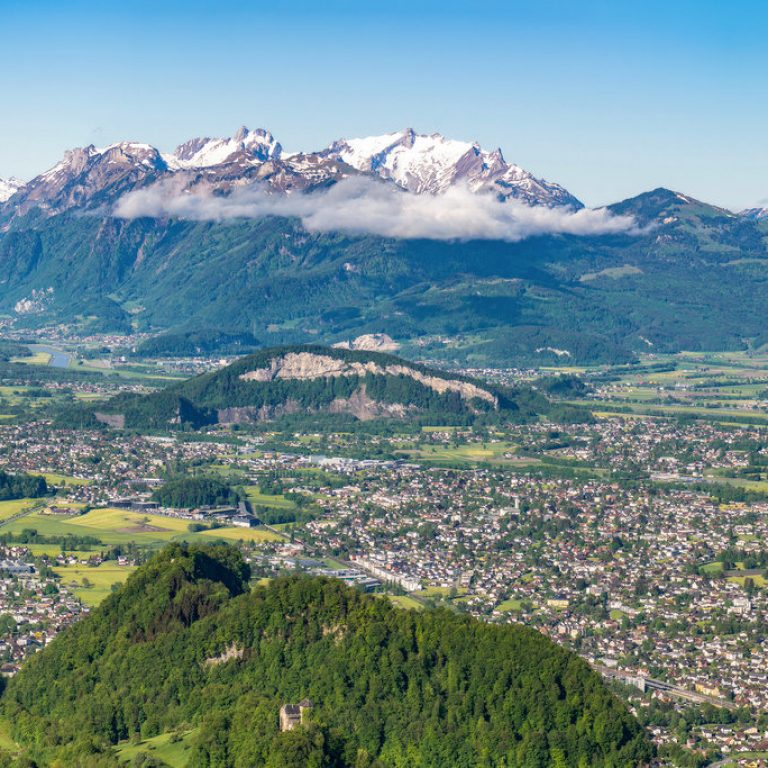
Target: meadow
(14, 507)
(172, 749)
(93, 583)
(267, 500)
(119, 526)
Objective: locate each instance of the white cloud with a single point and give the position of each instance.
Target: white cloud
(360, 205)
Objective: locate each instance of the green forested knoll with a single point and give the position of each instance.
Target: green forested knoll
(391, 688)
(191, 492)
(197, 401)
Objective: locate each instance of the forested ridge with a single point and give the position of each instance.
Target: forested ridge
(203, 399)
(542, 300)
(185, 644)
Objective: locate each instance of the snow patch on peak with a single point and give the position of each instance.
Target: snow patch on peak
(431, 163)
(416, 162)
(9, 187)
(756, 214)
(247, 146)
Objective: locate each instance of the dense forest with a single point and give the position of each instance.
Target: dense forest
(189, 492)
(193, 343)
(21, 486)
(185, 644)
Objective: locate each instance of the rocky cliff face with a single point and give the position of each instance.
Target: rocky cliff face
(303, 366)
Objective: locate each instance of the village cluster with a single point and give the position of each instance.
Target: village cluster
(626, 559)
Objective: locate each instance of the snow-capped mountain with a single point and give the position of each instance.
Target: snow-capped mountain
(755, 213)
(245, 147)
(88, 177)
(9, 187)
(431, 163)
(95, 178)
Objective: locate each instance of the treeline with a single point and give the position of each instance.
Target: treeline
(749, 560)
(391, 688)
(9, 349)
(193, 343)
(190, 492)
(68, 541)
(21, 486)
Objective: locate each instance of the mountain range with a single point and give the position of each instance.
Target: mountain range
(549, 281)
(90, 177)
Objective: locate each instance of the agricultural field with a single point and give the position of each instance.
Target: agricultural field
(120, 526)
(715, 386)
(37, 358)
(235, 534)
(267, 500)
(14, 507)
(511, 605)
(405, 601)
(501, 453)
(93, 584)
(53, 478)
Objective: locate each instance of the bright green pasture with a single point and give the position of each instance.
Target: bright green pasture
(54, 478)
(15, 506)
(510, 605)
(93, 584)
(267, 500)
(174, 753)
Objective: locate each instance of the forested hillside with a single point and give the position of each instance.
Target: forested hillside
(311, 379)
(185, 644)
(692, 277)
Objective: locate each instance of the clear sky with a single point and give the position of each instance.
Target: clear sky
(608, 98)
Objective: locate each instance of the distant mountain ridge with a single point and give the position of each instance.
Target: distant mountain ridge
(88, 178)
(688, 275)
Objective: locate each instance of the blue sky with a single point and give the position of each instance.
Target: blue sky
(607, 98)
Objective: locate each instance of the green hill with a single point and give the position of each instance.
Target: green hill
(185, 646)
(297, 381)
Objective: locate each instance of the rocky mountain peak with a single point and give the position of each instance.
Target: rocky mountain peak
(9, 187)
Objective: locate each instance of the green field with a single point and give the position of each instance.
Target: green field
(53, 478)
(237, 534)
(53, 550)
(120, 526)
(100, 580)
(509, 606)
(37, 358)
(174, 753)
(473, 453)
(15, 506)
(757, 579)
(404, 601)
(722, 387)
(267, 500)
